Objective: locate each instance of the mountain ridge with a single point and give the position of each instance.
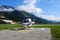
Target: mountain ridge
(21, 15)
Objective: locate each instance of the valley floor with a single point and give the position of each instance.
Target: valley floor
(55, 28)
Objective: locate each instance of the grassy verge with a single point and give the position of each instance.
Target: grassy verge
(9, 26)
(55, 28)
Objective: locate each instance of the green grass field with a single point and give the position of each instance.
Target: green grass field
(55, 28)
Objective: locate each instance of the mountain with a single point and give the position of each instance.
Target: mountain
(21, 15)
(16, 15)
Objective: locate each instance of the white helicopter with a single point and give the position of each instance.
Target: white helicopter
(28, 22)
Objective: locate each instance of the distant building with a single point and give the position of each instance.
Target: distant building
(6, 22)
(2, 17)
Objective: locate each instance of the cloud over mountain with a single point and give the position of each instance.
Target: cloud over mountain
(29, 6)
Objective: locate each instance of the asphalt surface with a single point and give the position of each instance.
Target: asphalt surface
(32, 34)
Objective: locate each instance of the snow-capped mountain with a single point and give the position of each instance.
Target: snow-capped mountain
(6, 8)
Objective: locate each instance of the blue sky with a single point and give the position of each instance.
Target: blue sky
(51, 7)
(48, 9)
(14, 3)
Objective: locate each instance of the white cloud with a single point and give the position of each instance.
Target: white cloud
(30, 6)
(31, 2)
(50, 17)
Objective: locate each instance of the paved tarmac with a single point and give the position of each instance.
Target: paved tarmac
(32, 34)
